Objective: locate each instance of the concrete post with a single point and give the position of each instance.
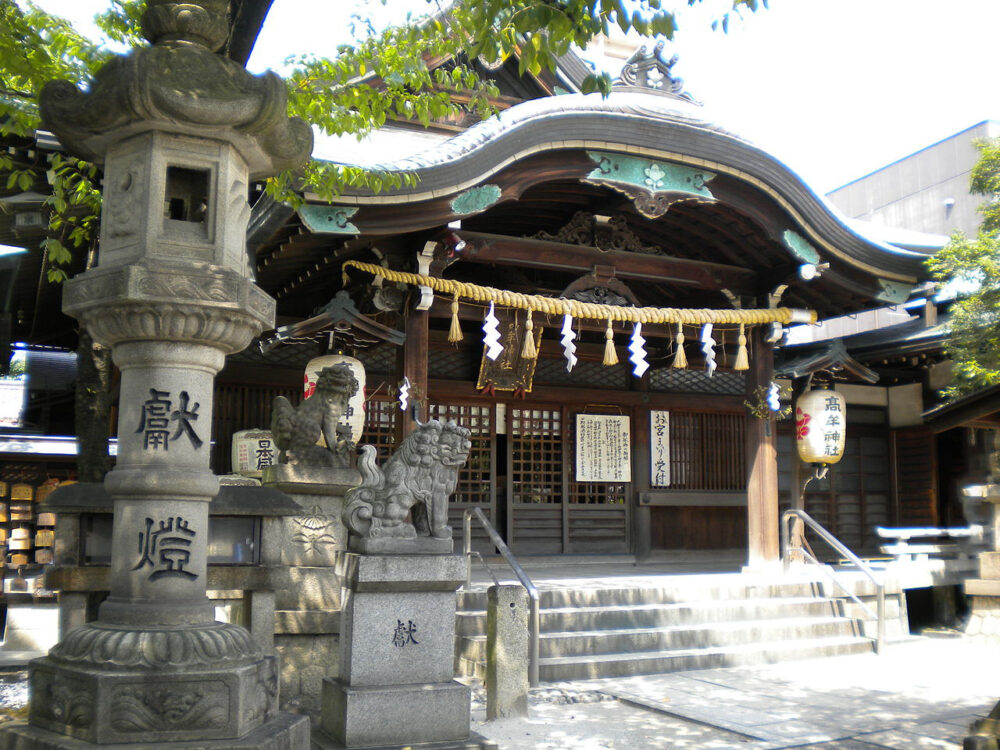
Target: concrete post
(507, 645)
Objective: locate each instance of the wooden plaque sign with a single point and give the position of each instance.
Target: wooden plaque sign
(659, 448)
(603, 448)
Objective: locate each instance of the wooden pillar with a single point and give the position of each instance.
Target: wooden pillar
(762, 462)
(642, 540)
(413, 364)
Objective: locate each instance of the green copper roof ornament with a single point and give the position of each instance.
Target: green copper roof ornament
(801, 248)
(653, 185)
(475, 200)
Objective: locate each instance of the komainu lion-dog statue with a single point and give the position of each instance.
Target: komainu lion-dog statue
(403, 505)
(296, 430)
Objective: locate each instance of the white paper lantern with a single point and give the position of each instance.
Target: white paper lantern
(354, 416)
(252, 451)
(821, 426)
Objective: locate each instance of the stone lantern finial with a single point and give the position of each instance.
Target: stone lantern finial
(204, 22)
(180, 85)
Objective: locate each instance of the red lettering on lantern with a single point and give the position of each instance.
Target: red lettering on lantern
(802, 423)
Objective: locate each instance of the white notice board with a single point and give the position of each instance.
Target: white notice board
(659, 448)
(603, 448)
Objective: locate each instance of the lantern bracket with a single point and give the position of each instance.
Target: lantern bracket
(424, 258)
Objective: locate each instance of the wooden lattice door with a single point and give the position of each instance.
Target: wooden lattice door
(548, 511)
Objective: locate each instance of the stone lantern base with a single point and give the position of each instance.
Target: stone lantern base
(195, 686)
(286, 731)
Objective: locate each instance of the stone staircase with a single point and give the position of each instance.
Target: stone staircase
(684, 623)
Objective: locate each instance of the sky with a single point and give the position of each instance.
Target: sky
(834, 88)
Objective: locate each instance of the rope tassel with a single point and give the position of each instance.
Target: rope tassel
(680, 360)
(742, 359)
(455, 332)
(528, 351)
(610, 355)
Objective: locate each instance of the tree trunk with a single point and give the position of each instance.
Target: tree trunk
(92, 409)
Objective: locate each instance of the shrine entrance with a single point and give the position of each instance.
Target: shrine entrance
(549, 510)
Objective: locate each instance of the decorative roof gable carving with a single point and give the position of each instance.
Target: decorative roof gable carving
(604, 233)
(652, 70)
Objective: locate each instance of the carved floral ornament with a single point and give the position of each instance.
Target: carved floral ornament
(606, 234)
(570, 309)
(652, 185)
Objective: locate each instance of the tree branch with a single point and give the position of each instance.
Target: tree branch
(18, 94)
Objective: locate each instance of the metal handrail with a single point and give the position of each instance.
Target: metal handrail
(842, 549)
(522, 577)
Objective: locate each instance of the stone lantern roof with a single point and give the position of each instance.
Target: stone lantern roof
(180, 84)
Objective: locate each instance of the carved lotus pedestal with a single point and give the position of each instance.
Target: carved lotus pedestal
(206, 687)
(396, 686)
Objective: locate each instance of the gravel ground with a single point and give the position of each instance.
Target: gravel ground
(582, 719)
(13, 696)
(13, 690)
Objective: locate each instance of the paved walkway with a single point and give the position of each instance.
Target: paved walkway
(922, 693)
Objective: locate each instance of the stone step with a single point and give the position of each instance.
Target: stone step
(586, 596)
(675, 637)
(557, 669)
(652, 615)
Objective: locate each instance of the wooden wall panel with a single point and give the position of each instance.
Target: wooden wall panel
(598, 529)
(537, 529)
(916, 476)
(686, 527)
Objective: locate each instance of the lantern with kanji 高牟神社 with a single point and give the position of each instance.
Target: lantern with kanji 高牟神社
(820, 426)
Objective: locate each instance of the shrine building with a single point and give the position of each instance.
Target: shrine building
(559, 225)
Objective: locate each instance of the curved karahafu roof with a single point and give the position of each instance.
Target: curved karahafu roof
(637, 124)
(684, 189)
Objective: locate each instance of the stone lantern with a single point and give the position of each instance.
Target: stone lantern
(180, 131)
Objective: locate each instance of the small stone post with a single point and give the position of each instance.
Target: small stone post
(180, 131)
(984, 619)
(507, 647)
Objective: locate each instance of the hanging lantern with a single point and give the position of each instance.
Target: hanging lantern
(821, 426)
(252, 451)
(354, 415)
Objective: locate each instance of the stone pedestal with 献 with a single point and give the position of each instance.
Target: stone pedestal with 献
(395, 683)
(307, 612)
(180, 132)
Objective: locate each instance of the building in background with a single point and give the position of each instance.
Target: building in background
(927, 191)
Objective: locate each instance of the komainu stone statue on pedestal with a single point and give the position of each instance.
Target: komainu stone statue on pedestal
(395, 685)
(402, 507)
(297, 430)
